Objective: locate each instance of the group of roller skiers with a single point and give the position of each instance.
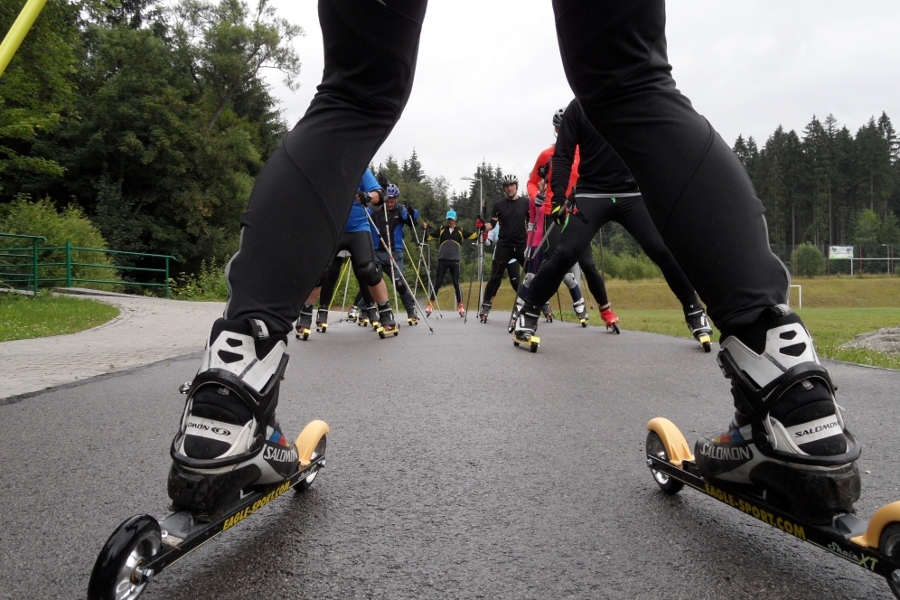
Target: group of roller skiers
(787, 434)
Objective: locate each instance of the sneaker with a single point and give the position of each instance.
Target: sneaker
(229, 438)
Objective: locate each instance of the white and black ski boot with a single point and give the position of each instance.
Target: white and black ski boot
(322, 320)
(484, 312)
(788, 441)
(548, 312)
(526, 327)
(386, 319)
(581, 312)
(411, 317)
(229, 439)
(353, 315)
(304, 322)
(514, 315)
(698, 324)
(372, 317)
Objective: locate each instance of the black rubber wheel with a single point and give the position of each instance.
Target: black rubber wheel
(616, 329)
(656, 448)
(515, 343)
(305, 336)
(305, 484)
(707, 347)
(889, 545)
(118, 572)
(534, 348)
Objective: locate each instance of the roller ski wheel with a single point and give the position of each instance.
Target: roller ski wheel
(363, 322)
(353, 315)
(611, 320)
(873, 544)
(531, 342)
(412, 320)
(322, 320)
(484, 312)
(583, 322)
(141, 547)
(321, 327)
(302, 333)
(393, 330)
(705, 343)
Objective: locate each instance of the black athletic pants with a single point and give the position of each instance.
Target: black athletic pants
(443, 267)
(614, 54)
(630, 213)
(508, 259)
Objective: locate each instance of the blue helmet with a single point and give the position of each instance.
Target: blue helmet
(392, 191)
(451, 214)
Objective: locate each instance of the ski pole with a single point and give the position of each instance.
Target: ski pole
(393, 261)
(390, 253)
(431, 290)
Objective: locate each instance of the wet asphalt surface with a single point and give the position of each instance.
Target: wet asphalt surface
(458, 466)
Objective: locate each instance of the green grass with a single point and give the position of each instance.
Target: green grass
(23, 318)
(835, 310)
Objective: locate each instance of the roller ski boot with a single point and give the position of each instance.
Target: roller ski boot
(548, 313)
(787, 458)
(580, 312)
(611, 320)
(461, 309)
(386, 324)
(412, 318)
(429, 309)
(372, 318)
(484, 312)
(304, 322)
(698, 324)
(230, 458)
(526, 326)
(514, 315)
(322, 320)
(353, 315)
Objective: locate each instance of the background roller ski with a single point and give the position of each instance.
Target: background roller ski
(322, 320)
(304, 322)
(386, 324)
(581, 312)
(142, 546)
(611, 320)
(484, 312)
(526, 327)
(873, 544)
(698, 324)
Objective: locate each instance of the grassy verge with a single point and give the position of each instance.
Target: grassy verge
(834, 309)
(23, 318)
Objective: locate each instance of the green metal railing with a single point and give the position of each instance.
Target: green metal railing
(25, 271)
(69, 267)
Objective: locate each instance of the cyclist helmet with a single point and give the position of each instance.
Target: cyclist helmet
(557, 117)
(509, 179)
(392, 191)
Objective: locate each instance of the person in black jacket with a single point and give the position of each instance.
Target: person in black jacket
(512, 214)
(450, 239)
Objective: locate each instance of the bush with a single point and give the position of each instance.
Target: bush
(208, 285)
(24, 217)
(809, 260)
(626, 266)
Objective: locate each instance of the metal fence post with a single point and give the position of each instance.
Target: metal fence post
(68, 264)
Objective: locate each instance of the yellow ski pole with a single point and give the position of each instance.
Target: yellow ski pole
(19, 29)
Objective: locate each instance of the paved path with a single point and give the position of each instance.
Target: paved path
(147, 330)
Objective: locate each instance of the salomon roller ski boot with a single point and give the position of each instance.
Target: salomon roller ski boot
(548, 312)
(788, 441)
(485, 311)
(610, 318)
(461, 309)
(411, 317)
(372, 317)
(526, 326)
(353, 315)
(698, 324)
(387, 325)
(304, 322)
(229, 439)
(580, 312)
(429, 309)
(514, 315)
(322, 320)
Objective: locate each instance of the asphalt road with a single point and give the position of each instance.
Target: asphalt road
(458, 467)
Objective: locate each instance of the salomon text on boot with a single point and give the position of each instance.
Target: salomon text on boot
(698, 324)
(229, 439)
(788, 441)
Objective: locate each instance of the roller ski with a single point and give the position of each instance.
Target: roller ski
(484, 312)
(580, 312)
(611, 320)
(514, 314)
(412, 318)
(322, 320)
(787, 458)
(548, 313)
(372, 318)
(524, 334)
(461, 309)
(304, 323)
(230, 459)
(429, 309)
(386, 324)
(698, 324)
(353, 315)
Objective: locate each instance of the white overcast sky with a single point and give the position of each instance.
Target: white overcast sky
(489, 75)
